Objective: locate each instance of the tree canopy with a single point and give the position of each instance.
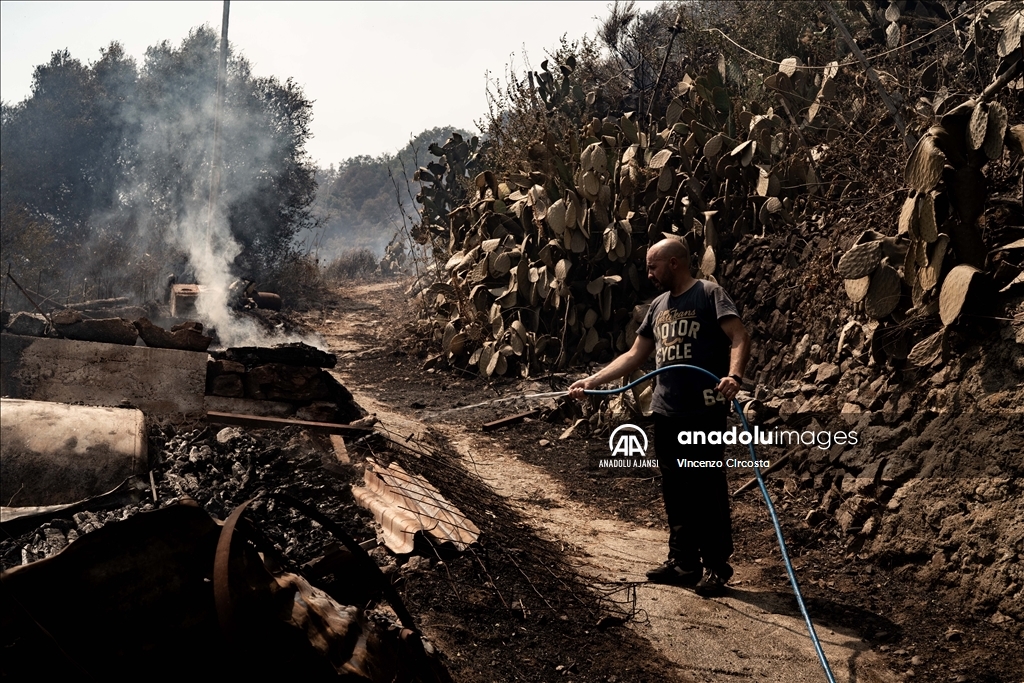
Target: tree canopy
(358, 204)
(115, 161)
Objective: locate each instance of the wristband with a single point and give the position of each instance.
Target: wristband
(739, 380)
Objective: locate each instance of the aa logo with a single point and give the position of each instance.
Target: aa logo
(625, 441)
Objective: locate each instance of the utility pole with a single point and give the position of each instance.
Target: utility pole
(222, 69)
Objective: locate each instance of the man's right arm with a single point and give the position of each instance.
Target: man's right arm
(620, 367)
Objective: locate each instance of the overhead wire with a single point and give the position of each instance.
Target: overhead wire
(850, 61)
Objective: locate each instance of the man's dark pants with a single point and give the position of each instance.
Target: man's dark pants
(696, 499)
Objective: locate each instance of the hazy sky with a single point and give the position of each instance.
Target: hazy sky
(378, 71)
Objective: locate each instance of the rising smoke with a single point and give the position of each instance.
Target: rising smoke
(106, 173)
(168, 191)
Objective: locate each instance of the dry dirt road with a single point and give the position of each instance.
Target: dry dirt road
(748, 635)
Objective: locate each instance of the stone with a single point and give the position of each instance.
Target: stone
(293, 354)
(279, 382)
(106, 330)
(897, 471)
(66, 317)
(852, 512)
(27, 324)
(814, 517)
(905, 406)
(817, 406)
(417, 563)
(865, 482)
(789, 389)
(229, 385)
(828, 373)
(870, 527)
(318, 411)
(787, 409)
(901, 493)
(803, 348)
(217, 367)
(812, 370)
(831, 500)
(229, 435)
(183, 338)
(244, 406)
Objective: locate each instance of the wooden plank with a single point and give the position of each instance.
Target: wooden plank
(340, 452)
(265, 422)
(511, 420)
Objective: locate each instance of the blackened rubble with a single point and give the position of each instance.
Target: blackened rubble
(292, 375)
(296, 353)
(219, 475)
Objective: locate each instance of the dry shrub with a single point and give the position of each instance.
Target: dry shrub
(299, 282)
(351, 264)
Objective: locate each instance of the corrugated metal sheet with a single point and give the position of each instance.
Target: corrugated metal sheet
(404, 504)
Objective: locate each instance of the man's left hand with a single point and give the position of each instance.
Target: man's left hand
(728, 387)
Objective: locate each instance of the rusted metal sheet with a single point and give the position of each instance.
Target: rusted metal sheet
(404, 504)
(264, 422)
(15, 520)
(129, 593)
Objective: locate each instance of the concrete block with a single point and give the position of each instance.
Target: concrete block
(163, 383)
(54, 453)
(28, 324)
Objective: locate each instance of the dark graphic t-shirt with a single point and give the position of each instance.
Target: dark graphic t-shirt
(687, 329)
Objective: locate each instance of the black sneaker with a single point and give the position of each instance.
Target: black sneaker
(712, 585)
(673, 575)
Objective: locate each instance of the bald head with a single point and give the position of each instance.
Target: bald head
(668, 265)
(671, 248)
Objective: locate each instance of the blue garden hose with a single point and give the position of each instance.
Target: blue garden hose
(764, 492)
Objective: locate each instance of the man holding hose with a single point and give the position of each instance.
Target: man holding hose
(694, 322)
